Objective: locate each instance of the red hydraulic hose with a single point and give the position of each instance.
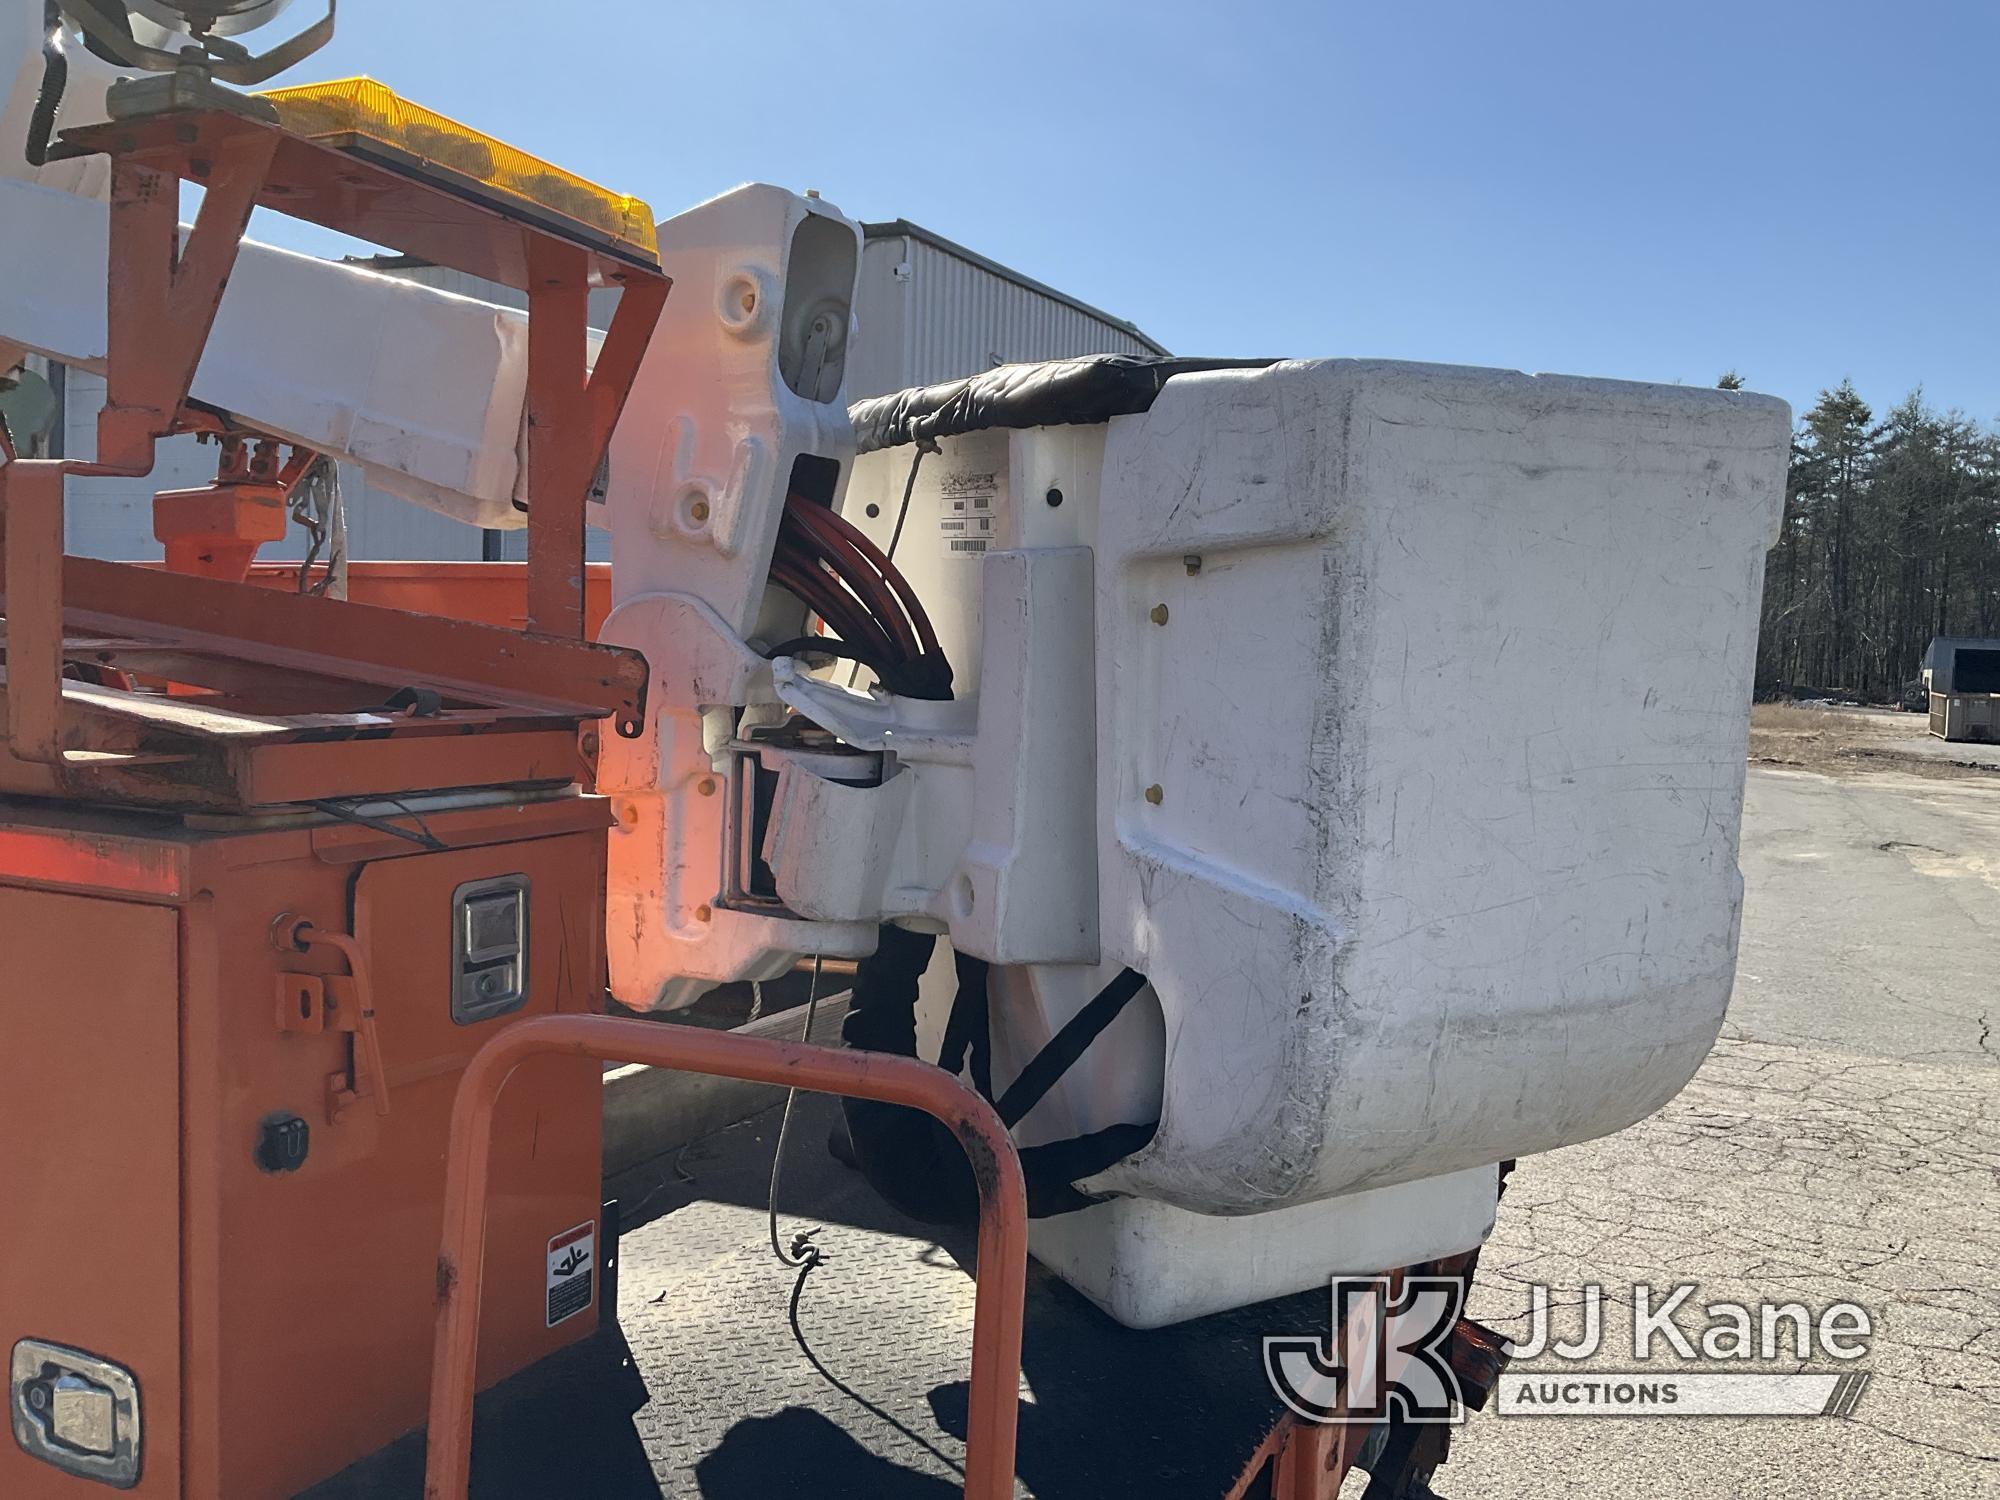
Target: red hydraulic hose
(893, 576)
(824, 596)
(809, 522)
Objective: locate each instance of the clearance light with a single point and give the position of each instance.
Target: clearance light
(360, 115)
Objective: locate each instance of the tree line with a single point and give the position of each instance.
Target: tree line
(1891, 536)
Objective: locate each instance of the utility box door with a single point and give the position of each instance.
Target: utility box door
(327, 1276)
(90, 1173)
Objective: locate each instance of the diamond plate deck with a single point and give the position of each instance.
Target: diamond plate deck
(729, 1380)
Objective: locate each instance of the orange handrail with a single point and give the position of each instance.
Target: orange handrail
(1003, 1208)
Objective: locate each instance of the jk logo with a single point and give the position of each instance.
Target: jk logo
(1387, 1357)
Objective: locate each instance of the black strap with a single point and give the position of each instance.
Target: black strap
(912, 1159)
(417, 702)
(1066, 1046)
(1054, 1170)
(969, 1026)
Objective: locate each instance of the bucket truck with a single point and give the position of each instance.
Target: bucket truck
(1261, 798)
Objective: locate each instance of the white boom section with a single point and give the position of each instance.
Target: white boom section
(345, 361)
(423, 389)
(742, 395)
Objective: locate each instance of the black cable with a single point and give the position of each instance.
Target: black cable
(313, 501)
(878, 1412)
(924, 445)
(415, 817)
(804, 1253)
(425, 839)
(828, 597)
(55, 79)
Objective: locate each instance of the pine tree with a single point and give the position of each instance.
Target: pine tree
(1891, 535)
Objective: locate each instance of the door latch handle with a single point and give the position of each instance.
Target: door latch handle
(350, 1006)
(76, 1411)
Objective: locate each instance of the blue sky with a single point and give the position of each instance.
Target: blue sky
(1802, 191)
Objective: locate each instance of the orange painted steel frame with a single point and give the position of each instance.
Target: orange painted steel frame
(161, 304)
(490, 593)
(1304, 1460)
(1301, 1460)
(1003, 1208)
(162, 297)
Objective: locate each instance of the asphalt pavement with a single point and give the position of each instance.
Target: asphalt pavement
(1842, 1143)
(1929, 747)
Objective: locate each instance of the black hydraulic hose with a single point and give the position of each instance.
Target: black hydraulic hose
(827, 645)
(55, 78)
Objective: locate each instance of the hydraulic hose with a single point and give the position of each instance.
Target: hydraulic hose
(55, 79)
(830, 545)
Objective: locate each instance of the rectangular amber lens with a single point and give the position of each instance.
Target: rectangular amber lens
(361, 106)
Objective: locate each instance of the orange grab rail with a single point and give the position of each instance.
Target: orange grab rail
(1003, 1208)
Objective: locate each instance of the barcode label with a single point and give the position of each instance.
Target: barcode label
(965, 527)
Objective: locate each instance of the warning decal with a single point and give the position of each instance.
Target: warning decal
(572, 1265)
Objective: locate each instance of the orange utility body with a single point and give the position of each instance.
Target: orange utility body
(278, 1323)
(273, 867)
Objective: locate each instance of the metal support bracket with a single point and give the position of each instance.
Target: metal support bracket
(572, 409)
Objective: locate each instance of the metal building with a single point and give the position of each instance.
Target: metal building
(926, 310)
(932, 310)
